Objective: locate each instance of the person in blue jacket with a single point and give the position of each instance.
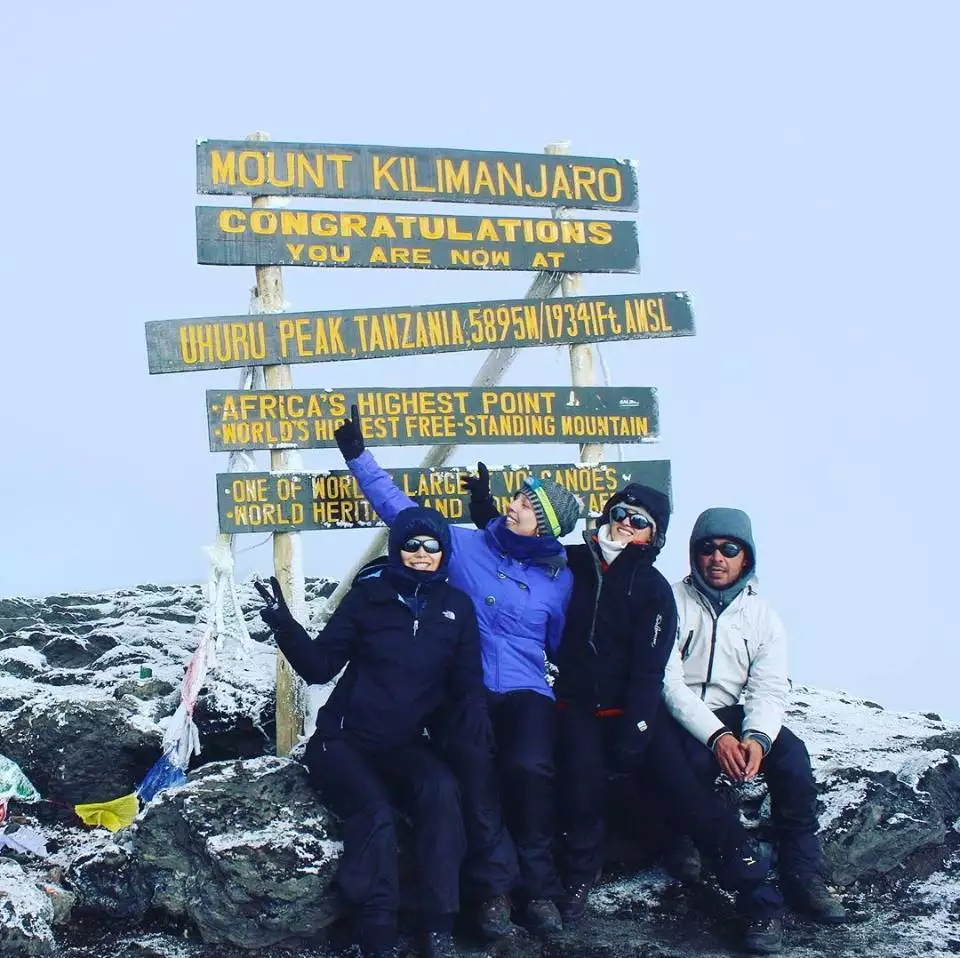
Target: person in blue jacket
(410, 645)
(515, 572)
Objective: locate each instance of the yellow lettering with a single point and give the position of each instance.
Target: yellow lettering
(223, 169)
(584, 178)
(381, 172)
(231, 221)
(383, 227)
(483, 179)
(259, 168)
(601, 232)
(338, 160)
(272, 177)
(306, 169)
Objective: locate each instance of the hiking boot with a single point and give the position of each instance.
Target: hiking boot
(543, 917)
(574, 903)
(810, 896)
(763, 936)
(682, 860)
(493, 918)
(743, 864)
(439, 944)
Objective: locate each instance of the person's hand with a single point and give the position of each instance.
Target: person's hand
(349, 437)
(478, 486)
(275, 613)
(729, 755)
(474, 726)
(752, 752)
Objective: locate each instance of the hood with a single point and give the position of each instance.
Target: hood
(725, 523)
(653, 500)
(418, 521)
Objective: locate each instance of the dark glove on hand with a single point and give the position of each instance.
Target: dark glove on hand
(478, 486)
(276, 613)
(472, 724)
(349, 437)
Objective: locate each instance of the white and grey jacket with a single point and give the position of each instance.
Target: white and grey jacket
(719, 659)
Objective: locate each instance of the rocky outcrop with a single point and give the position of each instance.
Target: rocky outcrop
(26, 914)
(242, 856)
(244, 852)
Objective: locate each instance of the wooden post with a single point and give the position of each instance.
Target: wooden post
(287, 555)
(581, 354)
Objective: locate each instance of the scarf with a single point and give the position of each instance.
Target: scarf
(544, 551)
(610, 549)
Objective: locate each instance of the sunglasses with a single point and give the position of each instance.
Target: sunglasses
(728, 549)
(430, 546)
(636, 519)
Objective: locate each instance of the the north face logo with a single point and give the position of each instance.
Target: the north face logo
(449, 614)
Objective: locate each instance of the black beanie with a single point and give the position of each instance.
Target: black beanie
(653, 500)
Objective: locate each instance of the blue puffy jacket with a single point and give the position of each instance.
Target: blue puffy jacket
(520, 605)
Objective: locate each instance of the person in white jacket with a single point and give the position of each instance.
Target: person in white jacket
(725, 688)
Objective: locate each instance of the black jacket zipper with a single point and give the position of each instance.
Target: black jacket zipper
(713, 649)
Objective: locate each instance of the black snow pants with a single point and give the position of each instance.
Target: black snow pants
(681, 773)
(468, 748)
(363, 789)
(584, 762)
(524, 727)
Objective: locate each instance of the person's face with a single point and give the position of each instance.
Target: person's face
(717, 569)
(421, 560)
(521, 519)
(621, 529)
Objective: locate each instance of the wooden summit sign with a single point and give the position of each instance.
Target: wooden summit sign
(304, 501)
(175, 346)
(242, 167)
(306, 419)
(238, 236)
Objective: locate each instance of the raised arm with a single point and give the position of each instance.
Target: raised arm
(315, 660)
(483, 509)
(381, 491)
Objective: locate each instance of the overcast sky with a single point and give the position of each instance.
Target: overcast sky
(798, 176)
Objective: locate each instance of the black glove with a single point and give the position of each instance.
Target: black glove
(349, 437)
(472, 725)
(276, 613)
(478, 486)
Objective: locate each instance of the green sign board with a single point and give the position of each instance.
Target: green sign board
(242, 167)
(304, 501)
(240, 236)
(306, 419)
(180, 345)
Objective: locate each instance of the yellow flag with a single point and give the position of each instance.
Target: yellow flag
(113, 815)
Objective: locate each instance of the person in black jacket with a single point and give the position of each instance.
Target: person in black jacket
(620, 629)
(410, 645)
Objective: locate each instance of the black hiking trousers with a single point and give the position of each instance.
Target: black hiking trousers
(363, 789)
(681, 773)
(524, 728)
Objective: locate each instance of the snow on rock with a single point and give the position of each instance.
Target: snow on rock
(74, 710)
(25, 914)
(244, 851)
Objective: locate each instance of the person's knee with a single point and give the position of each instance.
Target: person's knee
(374, 821)
(529, 764)
(437, 793)
(788, 757)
